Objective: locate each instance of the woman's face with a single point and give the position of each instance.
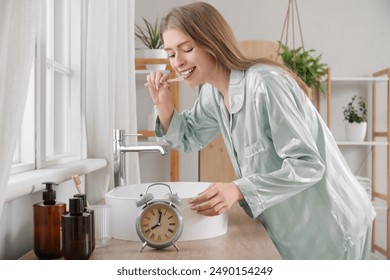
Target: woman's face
(188, 59)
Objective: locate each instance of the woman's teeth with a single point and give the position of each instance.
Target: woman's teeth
(185, 74)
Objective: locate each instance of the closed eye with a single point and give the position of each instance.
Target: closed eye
(185, 51)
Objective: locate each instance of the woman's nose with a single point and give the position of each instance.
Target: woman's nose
(178, 61)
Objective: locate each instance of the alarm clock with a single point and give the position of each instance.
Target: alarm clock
(159, 224)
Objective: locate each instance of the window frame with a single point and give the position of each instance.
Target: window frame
(75, 115)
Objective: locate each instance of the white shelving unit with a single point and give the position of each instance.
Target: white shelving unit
(377, 138)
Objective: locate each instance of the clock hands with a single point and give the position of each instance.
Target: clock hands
(159, 220)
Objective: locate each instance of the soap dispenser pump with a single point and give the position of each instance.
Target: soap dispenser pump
(47, 224)
(76, 231)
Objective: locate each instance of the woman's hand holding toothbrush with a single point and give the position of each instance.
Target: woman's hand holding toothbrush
(158, 84)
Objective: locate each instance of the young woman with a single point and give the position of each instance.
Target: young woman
(291, 174)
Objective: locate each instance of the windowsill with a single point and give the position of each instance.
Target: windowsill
(31, 181)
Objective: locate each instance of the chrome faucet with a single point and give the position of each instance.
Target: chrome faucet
(119, 151)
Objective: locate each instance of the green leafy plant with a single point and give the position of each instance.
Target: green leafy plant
(306, 66)
(149, 35)
(353, 114)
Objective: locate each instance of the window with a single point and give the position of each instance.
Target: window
(58, 74)
(51, 128)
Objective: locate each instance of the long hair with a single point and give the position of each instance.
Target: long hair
(208, 28)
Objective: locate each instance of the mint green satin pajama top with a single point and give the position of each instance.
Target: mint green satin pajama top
(289, 168)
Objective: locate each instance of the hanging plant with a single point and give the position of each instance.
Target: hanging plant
(305, 65)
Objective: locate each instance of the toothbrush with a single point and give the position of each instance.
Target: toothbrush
(77, 183)
(177, 79)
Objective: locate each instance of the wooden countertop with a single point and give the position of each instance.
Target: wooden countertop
(246, 239)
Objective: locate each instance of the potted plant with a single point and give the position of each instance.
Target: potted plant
(355, 116)
(149, 36)
(305, 65)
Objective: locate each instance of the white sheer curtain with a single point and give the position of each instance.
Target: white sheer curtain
(110, 100)
(17, 46)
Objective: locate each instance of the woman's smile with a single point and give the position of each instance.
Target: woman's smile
(187, 73)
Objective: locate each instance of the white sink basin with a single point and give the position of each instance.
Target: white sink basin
(124, 211)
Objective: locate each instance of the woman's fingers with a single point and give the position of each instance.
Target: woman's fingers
(158, 88)
(210, 202)
(205, 195)
(216, 199)
(156, 80)
(209, 207)
(214, 211)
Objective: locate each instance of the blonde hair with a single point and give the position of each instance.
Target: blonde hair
(208, 28)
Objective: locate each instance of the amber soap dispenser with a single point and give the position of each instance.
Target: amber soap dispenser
(47, 225)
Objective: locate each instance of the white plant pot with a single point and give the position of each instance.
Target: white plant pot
(155, 53)
(139, 53)
(356, 131)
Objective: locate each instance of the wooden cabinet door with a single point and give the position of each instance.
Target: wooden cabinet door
(215, 164)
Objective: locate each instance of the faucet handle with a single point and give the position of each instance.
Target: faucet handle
(120, 134)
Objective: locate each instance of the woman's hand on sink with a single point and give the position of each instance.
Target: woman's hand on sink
(216, 199)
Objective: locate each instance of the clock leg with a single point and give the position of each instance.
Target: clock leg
(143, 246)
(174, 245)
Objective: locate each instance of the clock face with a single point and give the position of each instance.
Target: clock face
(159, 224)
